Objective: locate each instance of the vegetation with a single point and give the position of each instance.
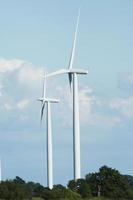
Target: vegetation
(106, 184)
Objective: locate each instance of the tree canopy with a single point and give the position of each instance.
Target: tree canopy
(106, 183)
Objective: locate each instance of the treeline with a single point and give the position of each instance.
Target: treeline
(107, 182)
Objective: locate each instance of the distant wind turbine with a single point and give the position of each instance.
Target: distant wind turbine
(47, 102)
(73, 80)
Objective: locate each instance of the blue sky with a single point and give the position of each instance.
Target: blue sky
(36, 36)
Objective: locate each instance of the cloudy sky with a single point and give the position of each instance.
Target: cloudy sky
(36, 36)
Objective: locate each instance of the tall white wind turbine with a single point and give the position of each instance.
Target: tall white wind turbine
(47, 102)
(73, 81)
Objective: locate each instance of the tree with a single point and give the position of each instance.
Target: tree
(38, 191)
(112, 184)
(19, 180)
(80, 186)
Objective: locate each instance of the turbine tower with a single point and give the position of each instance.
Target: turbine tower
(47, 102)
(73, 81)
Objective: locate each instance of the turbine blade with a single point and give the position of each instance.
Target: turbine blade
(74, 43)
(62, 71)
(42, 110)
(40, 99)
(70, 80)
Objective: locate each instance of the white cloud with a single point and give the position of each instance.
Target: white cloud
(27, 73)
(1, 88)
(92, 116)
(30, 73)
(31, 76)
(95, 118)
(7, 106)
(10, 65)
(23, 104)
(123, 105)
(104, 120)
(127, 78)
(28, 76)
(85, 103)
(20, 81)
(85, 99)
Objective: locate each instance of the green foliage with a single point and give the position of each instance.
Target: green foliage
(111, 183)
(106, 184)
(80, 186)
(17, 189)
(11, 190)
(59, 193)
(19, 180)
(98, 198)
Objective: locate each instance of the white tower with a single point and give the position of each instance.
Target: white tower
(73, 80)
(48, 102)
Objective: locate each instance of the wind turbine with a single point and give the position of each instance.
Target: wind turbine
(73, 81)
(47, 102)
